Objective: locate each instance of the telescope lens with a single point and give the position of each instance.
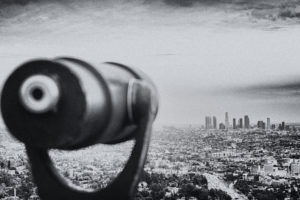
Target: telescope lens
(39, 94)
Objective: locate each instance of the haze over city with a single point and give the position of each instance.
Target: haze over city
(205, 60)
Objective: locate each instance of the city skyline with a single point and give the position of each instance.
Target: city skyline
(243, 122)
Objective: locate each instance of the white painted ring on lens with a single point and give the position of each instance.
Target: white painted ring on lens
(39, 94)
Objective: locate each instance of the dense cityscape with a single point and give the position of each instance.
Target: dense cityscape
(238, 160)
(211, 123)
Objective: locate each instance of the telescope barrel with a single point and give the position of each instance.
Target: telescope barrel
(66, 103)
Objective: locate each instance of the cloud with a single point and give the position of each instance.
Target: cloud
(290, 89)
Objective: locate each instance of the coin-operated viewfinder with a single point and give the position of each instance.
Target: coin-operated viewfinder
(68, 104)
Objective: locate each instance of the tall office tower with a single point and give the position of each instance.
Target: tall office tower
(241, 123)
(234, 123)
(261, 125)
(207, 122)
(247, 122)
(222, 126)
(214, 122)
(273, 126)
(226, 120)
(268, 123)
(282, 125)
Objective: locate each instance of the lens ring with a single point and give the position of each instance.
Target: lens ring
(39, 94)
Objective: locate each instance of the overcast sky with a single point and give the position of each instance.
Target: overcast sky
(204, 60)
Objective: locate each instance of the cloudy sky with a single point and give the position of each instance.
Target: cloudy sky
(204, 59)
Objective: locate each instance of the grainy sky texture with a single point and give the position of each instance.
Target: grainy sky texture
(206, 57)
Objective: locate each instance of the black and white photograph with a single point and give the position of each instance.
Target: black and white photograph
(149, 99)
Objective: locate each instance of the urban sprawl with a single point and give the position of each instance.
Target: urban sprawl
(231, 160)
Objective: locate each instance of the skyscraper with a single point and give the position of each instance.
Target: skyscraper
(282, 125)
(247, 122)
(268, 123)
(208, 122)
(214, 122)
(234, 123)
(261, 125)
(273, 126)
(221, 126)
(226, 120)
(241, 123)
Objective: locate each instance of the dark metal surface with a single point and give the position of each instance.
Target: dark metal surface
(109, 105)
(123, 187)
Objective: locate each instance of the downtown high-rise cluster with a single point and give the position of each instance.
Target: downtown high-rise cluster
(241, 123)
